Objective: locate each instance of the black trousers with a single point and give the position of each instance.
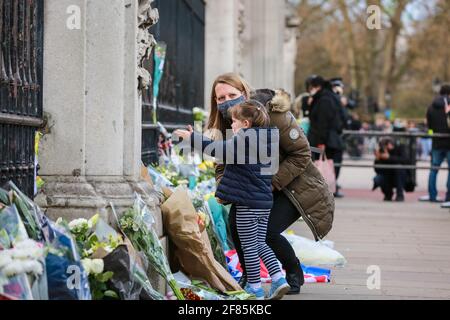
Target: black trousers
(337, 156)
(389, 180)
(282, 216)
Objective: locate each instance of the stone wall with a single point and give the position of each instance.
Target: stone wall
(91, 155)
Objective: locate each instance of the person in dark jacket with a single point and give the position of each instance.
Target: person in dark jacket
(247, 185)
(390, 153)
(337, 85)
(438, 121)
(326, 121)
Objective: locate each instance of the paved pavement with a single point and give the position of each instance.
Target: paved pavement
(409, 243)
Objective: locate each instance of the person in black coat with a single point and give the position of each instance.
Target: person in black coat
(438, 121)
(342, 102)
(390, 153)
(326, 121)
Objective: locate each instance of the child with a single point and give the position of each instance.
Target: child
(248, 187)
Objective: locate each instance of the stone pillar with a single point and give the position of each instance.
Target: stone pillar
(91, 155)
(291, 52)
(222, 47)
(263, 49)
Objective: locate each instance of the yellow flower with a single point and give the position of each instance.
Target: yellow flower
(209, 164)
(208, 196)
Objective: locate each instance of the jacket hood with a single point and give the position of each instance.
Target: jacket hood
(274, 100)
(439, 102)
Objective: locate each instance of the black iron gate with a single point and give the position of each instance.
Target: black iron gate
(182, 27)
(21, 23)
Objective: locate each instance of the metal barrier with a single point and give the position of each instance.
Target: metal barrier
(411, 137)
(395, 134)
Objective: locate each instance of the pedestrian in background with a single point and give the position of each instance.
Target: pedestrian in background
(438, 121)
(326, 122)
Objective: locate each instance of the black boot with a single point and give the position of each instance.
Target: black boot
(295, 280)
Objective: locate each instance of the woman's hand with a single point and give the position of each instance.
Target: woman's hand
(185, 134)
(220, 201)
(447, 109)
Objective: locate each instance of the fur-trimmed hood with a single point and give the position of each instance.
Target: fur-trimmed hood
(274, 100)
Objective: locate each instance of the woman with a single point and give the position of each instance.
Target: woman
(299, 188)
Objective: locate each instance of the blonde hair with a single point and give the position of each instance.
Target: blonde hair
(216, 120)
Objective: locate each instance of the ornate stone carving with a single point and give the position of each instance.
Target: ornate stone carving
(241, 29)
(147, 17)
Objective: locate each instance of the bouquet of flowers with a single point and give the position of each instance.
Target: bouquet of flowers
(171, 175)
(29, 212)
(63, 262)
(199, 114)
(21, 259)
(137, 225)
(93, 248)
(207, 171)
(25, 257)
(4, 198)
(19, 267)
(206, 221)
(12, 229)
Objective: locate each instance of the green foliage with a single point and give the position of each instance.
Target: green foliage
(99, 287)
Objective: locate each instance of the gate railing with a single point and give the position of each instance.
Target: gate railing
(21, 45)
(411, 143)
(182, 27)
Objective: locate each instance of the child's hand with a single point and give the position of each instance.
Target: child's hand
(185, 134)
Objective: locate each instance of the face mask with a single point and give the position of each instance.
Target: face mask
(224, 107)
(313, 91)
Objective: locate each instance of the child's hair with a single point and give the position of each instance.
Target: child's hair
(253, 111)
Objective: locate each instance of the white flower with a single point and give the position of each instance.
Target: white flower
(27, 249)
(23, 258)
(93, 266)
(5, 258)
(22, 266)
(97, 266)
(77, 223)
(87, 265)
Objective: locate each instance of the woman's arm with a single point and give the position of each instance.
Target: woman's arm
(214, 148)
